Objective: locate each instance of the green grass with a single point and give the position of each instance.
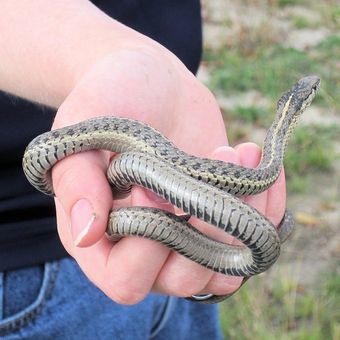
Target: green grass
(283, 310)
(329, 11)
(272, 69)
(284, 3)
(251, 114)
(265, 69)
(259, 59)
(238, 133)
(326, 63)
(330, 46)
(330, 14)
(311, 150)
(301, 22)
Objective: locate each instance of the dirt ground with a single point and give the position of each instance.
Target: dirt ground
(314, 248)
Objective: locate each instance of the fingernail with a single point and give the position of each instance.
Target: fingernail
(220, 149)
(82, 218)
(225, 153)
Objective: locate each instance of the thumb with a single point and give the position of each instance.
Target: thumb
(81, 187)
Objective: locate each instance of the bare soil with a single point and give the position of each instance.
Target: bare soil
(314, 248)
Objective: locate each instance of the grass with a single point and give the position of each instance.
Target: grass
(283, 310)
(301, 22)
(271, 69)
(251, 114)
(258, 58)
(311, 149)
(266, 70)
(284, 3)
(330, 13)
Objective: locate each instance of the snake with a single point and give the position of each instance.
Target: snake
(207, 189)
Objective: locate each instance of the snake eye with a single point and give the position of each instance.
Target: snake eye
(316, 86)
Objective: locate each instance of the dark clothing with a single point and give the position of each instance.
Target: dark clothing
(28, 232)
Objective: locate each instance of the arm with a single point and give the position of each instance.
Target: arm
(69, 55)
(46, 46)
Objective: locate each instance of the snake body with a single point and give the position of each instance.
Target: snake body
(201, 187)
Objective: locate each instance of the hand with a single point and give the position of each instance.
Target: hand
(151, 85)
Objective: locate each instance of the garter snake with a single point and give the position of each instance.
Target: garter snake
(204, 188)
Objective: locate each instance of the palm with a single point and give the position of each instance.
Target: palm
(176, 104)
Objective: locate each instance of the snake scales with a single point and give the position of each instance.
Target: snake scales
(203, 188)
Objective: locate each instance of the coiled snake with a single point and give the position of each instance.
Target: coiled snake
(203, 188)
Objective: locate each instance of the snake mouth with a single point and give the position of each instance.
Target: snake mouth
(316, 85)
(314, 89)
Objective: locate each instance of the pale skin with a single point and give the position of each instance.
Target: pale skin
(69, 55)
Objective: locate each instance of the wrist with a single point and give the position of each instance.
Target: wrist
(59, 43)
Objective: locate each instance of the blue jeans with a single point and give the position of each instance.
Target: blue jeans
(56, 301)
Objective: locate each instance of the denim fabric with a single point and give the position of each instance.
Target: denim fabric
(56, 301)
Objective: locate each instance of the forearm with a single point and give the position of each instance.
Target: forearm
(45, 46)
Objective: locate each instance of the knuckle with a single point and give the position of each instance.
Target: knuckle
(64, 178)
(127, 298)
(127, 294)
(183, 285)
(224, 285)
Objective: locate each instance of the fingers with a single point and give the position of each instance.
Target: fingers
(128, 270)
(180, 276)
(250, 156)
(83, 192)
(221, 284)
(135, 266)
(91, 259)
(276, 200)
(125, 271)
(271, 202)
(134, 263)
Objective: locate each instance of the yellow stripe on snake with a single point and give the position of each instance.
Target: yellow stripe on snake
(203, 188)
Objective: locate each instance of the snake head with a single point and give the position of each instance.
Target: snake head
(299, 97)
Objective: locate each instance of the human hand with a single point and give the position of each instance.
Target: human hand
(148, 84)
(96, 66)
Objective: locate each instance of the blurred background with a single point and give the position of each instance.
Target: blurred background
(254, 51)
